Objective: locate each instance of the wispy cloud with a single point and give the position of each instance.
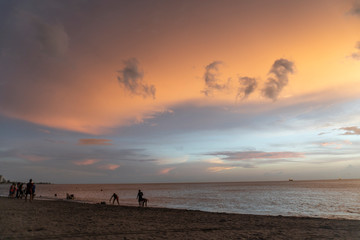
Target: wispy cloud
(279, 79)
(351, 130)
(355, 9)
(356, 55)
(337, 145)
(249, 155)
(212, 78)
(247, 86)
(109, 166)
(219, 169)
(94, 141)
(131, 78)
(166, 171)
(86, 162)
(33, 158)
(53, 39)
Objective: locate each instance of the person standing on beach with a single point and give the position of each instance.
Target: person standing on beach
(142, 201)
(19, 192)
(30, 190)
(115, 197)
(139, 197)
(12, 190)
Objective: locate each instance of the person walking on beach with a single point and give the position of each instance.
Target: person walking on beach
(30, 190)
(114, 197)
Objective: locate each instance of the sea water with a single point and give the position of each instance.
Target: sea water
(325, 199)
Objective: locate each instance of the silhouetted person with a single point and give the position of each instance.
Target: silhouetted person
(139, 196)
(142, 201)
(19, 192)
(30, 190)
(114, 197)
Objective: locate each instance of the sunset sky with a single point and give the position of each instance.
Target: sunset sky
(179, 91)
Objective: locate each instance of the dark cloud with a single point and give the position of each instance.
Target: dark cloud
(53, 39)
(355, 9)
(247, 86)
(274, 85)
(131, 77)
(351, 130)
(356, 55)
(26, 34)
(212, 80)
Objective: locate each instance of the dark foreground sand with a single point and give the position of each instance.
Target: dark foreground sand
(70, 220)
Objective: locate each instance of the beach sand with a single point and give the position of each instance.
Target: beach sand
(71, 220)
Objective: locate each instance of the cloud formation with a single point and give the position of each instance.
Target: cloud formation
(351, 130)
(27, 34)
(86, 162)
(250, 155)
(356, 55)
(337, 145)
(166, 171)
(94, 141)
(212, 80)
(33, 158)
(247, 86)
(131, 78)
(53, 39)
(355, 9)
(279, 79)
(219, 169)
(111, 167)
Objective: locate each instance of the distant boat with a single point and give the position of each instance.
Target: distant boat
(291, 180)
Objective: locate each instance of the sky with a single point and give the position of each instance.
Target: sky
(153, 91)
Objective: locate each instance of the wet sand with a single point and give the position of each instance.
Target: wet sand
(71, 220)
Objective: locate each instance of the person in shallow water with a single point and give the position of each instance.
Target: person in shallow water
(115, 197)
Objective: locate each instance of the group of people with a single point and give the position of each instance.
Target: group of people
(18, 191)
(140, 197)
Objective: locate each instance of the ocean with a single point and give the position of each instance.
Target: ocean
(326, 199)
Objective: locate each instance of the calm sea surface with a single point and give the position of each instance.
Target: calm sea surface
(327, 199)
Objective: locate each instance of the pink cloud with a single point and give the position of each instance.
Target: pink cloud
(219, 169)
(86, 162)
(110, 166)
(337, 145)
(33, 158)
(166, 170)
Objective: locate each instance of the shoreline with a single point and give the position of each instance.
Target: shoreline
(61, 219)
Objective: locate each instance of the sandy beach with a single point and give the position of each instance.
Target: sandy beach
(42, 219)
